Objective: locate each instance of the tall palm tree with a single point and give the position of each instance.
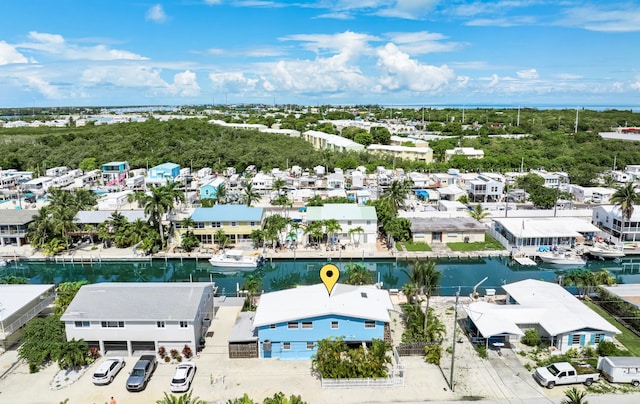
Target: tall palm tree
(156, 203)
(357, 274)
(331, 226)
(278, 184)
(250, 195)
(479, 213)
(221, 194)
(72, 354)
(396, 194)
(431, 283)
(624, 199)
(358, 231)
(84, 199)
(221, 238)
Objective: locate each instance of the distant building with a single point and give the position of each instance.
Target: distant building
(18, 305)
(115, 173)
(210, 189)
(163, 173)
(468, 152)
(420, 154)
(325, 141)
(14, 225)
(237, 222)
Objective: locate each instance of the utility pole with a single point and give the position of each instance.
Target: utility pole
(453, 348)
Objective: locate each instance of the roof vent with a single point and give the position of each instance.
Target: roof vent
(363, 294)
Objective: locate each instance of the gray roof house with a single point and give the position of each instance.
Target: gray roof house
(447, 230)
(135, 317)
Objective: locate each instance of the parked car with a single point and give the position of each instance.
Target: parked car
(620, 369)
(141, 373)
(107, 370)
(565, 373)
(183, 377)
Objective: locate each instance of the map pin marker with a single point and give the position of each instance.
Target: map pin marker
(329, 275)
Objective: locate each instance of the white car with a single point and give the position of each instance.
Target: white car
(183, 377)
(108, 370)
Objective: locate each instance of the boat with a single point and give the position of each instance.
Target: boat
(603, 251)
(563, 258)
(234, 258)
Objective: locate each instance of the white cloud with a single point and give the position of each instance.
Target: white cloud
(56, 45)
(156, 14)
(636, 85)
(185, 84)
(337, 16)
(399, 72)
(463, 81)
(409, 9)
(528, 74)
(9, 54)
(613, 18)
(348, 44)
(212, 2)
(422, 42)
(568, 76)
(234, 82)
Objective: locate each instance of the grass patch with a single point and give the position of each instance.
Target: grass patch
(413, 247)
(630, 341)
(490, 244)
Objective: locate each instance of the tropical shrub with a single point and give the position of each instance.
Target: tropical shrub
(531, 337)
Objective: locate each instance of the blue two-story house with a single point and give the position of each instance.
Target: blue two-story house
(163, 173)
(210, 189)
(289, 323)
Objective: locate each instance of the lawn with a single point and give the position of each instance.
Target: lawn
(413, 247)
(627, 338)
(489, 244)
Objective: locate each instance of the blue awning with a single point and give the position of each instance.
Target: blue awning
(421, 193)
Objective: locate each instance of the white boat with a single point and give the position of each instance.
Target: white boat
(235, 259)
(563, 258)
(603, 251)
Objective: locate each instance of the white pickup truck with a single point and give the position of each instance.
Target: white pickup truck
(565, 373)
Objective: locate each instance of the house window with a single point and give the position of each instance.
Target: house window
(310, 345)
(349, 222)
(307, 325)
(160, 324)
(334, 325)
(286, 346)
(252, 223)
(452, 234)
(199, 225)
(112, 324)
(597, 338)
(272, 326)
(184, 324)
(216, 224)
(368, 221)
(292, 325)
(82, 324)
(575, 339)
(234, 224)
(369, 324)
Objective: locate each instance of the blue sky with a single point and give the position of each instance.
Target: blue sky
(391, 52)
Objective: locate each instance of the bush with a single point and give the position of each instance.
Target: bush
(187, 352)
(608, 348)
(167, 359)
(162, 352)
(174, 353)
(531, 337)
(482, 351)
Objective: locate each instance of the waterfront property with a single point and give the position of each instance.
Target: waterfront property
(349, 216)
(18, 305)
(289, 323)
(562, 320)
(237, 221)
(447, 230)
(531, 233)
(14, 224)
(140, 317)
(609, 219)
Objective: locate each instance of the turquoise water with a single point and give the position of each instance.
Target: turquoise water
(282, 274)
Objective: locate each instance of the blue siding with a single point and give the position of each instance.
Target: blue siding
(351, 329)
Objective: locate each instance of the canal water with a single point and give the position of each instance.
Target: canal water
(282, 274)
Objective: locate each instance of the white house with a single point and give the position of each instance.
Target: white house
(468, 152)
(18, 305)
(609, 219)
(349, 216)
(485, 189)
(531, 233)
(114, 200)
(563, 321)
(136, 317)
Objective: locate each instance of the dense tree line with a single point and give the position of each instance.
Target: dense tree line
(552, 143)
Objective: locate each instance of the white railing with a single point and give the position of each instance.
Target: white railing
(501, 239)
(395, 379)
(34, 311)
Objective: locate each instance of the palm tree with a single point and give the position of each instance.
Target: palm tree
(72, 354)
(253, 285)
(314, 230)
(331, 226)
(356, 230)
(624, 199)
(250, 195)
(397, 193)
(156, 203)
(278, 184)
(574, 396)
(479, 213)
(41, 228)
(222, 238)
(357, 274)
(84, 199)
(431, 281)
(183, 399)
(221, 194)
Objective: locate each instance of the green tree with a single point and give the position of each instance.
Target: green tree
(278, 185)
(253, 286)
(357, 274)
(72, 354)
(88, 164)
(65, 293)
(221, 238)
(41, 337)
(397, 193)
(280, 398)
(479, 213)
(158, 201)
(242, 400)
(624, 198)
(250, 195)
(221, 194)
(574, 396)
(181, 399)
(357, 231)
(363, 138)
(331, 227)
(381, 135)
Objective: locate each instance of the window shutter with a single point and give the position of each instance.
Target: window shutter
(593, 339)
(570, 339)
(582, 338)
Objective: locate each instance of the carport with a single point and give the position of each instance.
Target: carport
(490, 326)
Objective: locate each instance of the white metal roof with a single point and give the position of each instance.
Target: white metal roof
(558, 311)
(15, 297)
(492, 319)
(137, 301)
(547, 226)
(304, 302)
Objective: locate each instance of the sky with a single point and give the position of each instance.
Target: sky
(340, 52)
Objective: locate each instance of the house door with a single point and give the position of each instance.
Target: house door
(436, 236)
